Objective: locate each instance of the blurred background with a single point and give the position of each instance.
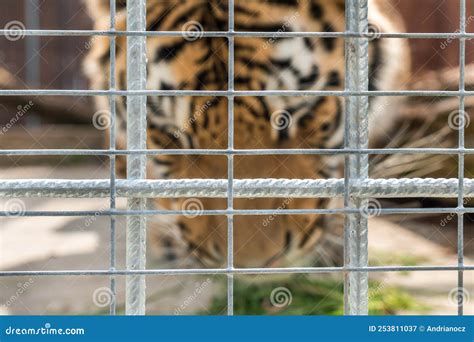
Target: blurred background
(83, 243)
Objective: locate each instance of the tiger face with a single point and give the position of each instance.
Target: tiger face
(194, 62)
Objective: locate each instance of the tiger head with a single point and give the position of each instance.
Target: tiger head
(195, 62)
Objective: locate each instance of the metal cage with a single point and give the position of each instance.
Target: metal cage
(356, 188)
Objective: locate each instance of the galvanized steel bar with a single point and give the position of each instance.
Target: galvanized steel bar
(136, 164)
(259, 34)
(112, 158)
(461, 161)
(230, 164)
(241, 152)
(242, 188)
(356, 166)
(235, 93)
(218, 271)
(32, 44)
(241, 212)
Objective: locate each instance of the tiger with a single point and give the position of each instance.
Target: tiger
(194, 61)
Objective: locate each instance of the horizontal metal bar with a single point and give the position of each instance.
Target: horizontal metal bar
(243, 188)
(243, 152)
(250, 271)
(228, 34)
(227, 93)
(372, 212)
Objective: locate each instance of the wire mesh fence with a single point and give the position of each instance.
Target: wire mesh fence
(356, 188)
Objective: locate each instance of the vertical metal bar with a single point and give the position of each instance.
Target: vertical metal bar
(356, 166)
(136, 164)
(230, 166)
(112, 147)
(461, 142)
(32, 62)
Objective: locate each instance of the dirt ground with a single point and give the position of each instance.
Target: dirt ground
(75, 243)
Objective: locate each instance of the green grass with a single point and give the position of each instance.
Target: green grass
(379, 258)
(312, 297)
(309, 296)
